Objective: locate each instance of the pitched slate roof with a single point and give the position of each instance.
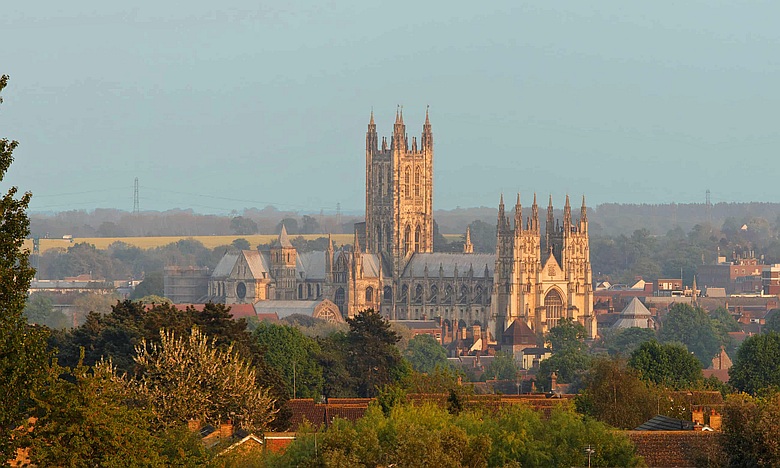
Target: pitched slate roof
(448, 262)
(226, 264)
(286, 308)
(258, 262)
(635, 314)
(312, 265)
(665, 423)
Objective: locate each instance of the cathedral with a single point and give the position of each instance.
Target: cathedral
(535, 278)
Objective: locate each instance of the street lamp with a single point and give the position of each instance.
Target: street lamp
(590, 451)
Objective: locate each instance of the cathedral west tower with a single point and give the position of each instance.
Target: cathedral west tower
(399, 192)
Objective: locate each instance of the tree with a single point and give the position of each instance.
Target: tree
(241, 244)
(569, 359)
(567, 336)
(152, 285)
(372, 357)
(429, 435)
(624, 341)
(483, 236)
(614, 394)
(310, 225)
(87, 303)
(190, 378)
(750, 432)
(425, 354)
(291, 224)
(502, 367)
(772, 321)
(669, 365)
(756, 366)
(294, 356)
(243, 226)
(23, 354)
(40, 310)
(83, 419)
(692, 327)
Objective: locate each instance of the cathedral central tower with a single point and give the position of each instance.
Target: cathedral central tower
(399, 192)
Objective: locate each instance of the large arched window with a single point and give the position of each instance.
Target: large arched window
(417, 176)
(418, 294)
(463, 298)
(408, 238)
(434, 297)
(417, 236)
(448, 294)
(407, 182)
(388, 294)
(339, 299)
(404, 293)
(380, 182)
(553, 304)
(369, 294)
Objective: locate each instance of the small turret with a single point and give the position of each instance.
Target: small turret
(567, 217)
(501, 214)
(583, 217)
(427, 134)
(535, 216)
(550, 228)
(518, 216)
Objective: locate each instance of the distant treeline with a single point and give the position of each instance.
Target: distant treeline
(606, 219)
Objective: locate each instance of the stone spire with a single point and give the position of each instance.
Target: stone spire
(534, 216)
(567, 216)
(468, 247)
(284, 239)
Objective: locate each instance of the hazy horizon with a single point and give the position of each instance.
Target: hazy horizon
(218, 108)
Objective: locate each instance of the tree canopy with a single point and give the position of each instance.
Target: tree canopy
(669, 365)
(294, 356)
(425, 354)
(756, 366)
(372, 356)
(429, 435)
(692, 327)
(23, 353)
(191, 378)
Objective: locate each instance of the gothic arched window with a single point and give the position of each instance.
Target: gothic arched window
(407, 182)
(408, 238)
(553, 304)
(388, 294)
(417, 236)
(417, 176)
(339, 299)
(434, 297)
(418, 294)
(369, 294)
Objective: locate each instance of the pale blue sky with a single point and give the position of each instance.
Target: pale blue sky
(218, 106)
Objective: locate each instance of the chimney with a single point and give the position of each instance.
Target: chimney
(697, 415)
(463, 333)
(194, 425)
(553, 382)
(476, 330)
(716, 421)
(226, 430)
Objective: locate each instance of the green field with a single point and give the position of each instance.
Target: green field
(152, 242)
